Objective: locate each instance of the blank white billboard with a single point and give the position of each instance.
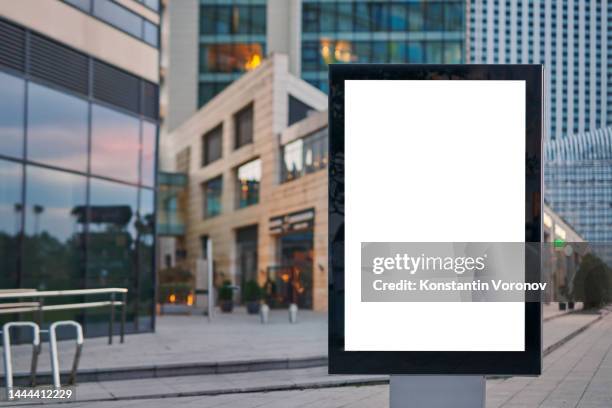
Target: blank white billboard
(432, 161)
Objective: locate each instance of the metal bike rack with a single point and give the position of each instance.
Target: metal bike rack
(8, 363)
(55, 369)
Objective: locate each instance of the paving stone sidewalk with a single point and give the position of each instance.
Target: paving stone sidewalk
(577, 374)
(189, 339)
(165, 387)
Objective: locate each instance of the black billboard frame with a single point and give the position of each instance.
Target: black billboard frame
(527, 362)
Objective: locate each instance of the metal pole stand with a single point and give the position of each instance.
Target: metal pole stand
(437, 391)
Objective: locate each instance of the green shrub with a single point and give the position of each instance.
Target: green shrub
(592, 282)
(252, 291)
(226, 292)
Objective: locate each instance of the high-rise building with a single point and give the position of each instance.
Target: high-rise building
(210, 43)
(78, 146)
(578, 184)
(570, 37)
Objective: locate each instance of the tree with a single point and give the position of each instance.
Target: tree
(592, 282)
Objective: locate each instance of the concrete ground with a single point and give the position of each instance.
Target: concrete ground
(576, 374)
(188, 339)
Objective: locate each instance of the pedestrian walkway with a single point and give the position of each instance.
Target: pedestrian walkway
(185, 340)
(577, 374)
(555, 331)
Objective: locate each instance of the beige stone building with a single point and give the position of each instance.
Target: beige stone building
(256, 159)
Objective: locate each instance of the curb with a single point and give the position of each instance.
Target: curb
(176, 370)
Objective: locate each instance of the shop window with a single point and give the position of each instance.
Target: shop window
(248, 183)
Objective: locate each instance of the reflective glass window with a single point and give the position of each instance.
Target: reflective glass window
(147, 164)
(84, 5)
(362, 17)
(310, 17)
(328, 17)
(112, 234)
(213, 190)
(452, 52)
(398, 17)
(152, 4)
(379, 52)
(12, 95)
(363, 51)
(150, 33)
(114, 144)
(249, 178)
(453, 16)
(258, 20)
(57, 128)
(345, 17)
(415, 51)
(145, 228)
(212, 145)
(223, 20)
(118, 16)
(434, 18)
(379, 13)
(11, 208)
(415, 16)
(54, 227)
(207, 19)
(243, 127)
(433, 52)
(310, 56)
(397, 52)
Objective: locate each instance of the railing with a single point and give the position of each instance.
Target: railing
(39, 307)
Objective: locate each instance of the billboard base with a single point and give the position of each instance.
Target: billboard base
(437, 391)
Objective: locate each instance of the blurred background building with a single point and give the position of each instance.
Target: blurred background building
(569, 37)
(78, 147)
(210, 43)
(256, 159)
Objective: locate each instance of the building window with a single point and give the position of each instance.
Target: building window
(248, 182)
(57, 128)
(305, 155)
(116, 135)
(243, 127)
(212, 145)
(212, 197)
(298, 110)
(11, 115)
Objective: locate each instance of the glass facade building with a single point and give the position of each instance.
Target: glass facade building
(232, 36)
(578, 184)
(232, 40)
(568, 37)
(379, 32)
(78, 147)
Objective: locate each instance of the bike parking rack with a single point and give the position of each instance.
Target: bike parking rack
(6, 345)
(36, 349)
(55, 369)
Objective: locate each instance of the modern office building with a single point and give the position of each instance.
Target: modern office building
(256, 159)
(570, 37)
(578, 184)
(210, 43)
(78, 146)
